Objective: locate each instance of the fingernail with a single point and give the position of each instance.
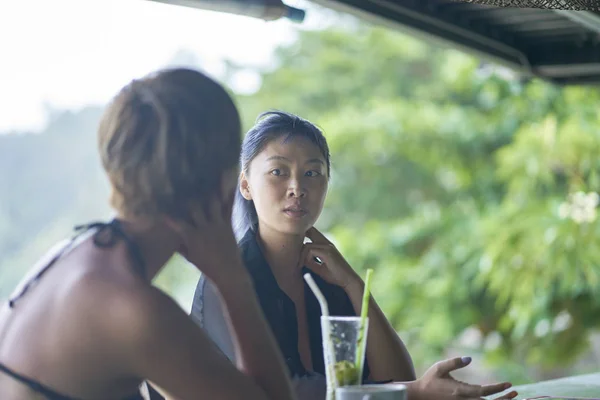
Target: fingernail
(507, 385)
(466, 360)
(513, 395)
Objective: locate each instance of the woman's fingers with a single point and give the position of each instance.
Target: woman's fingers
(199, 220)
(316, 237)
(477, 391)
(303, 256)
(443, 368)
(508, 396)
(313, 257)
(317, 249)
(489, 390)
(178, 226)
(462, 389)
(438, 378)
(215, 209)
(227, 206)
(316, 254)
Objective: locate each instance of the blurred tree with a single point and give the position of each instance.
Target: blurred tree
(453, 181)
(448, 178)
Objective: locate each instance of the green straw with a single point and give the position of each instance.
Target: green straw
(363, 322)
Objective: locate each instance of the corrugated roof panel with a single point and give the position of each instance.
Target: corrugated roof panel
(561, 46)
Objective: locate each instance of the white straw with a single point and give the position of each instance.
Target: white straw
(326, 340)
(317, 292)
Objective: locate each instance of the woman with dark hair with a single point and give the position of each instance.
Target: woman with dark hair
(285, 170)
(87, 323)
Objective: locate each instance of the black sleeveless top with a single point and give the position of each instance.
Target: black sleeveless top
(280, 310)
(106, 236)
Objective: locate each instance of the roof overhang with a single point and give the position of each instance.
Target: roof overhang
(556, 45)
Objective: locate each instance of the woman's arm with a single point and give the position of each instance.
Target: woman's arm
(387, 354)
(257, 352)
(388, 357)
(167, 348)
(208, 312)
(438, 384)
(176, 354)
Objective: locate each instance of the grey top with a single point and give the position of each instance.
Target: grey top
(209, 313)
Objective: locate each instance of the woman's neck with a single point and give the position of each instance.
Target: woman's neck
(282, 252)
(156, 243)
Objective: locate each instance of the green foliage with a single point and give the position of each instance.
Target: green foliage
(448, 181)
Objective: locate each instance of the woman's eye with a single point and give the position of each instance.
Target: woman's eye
(312, 173)
(276, 172)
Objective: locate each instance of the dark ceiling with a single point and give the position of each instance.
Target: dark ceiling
(559, 46)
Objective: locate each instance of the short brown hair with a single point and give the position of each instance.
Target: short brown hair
(165, 141)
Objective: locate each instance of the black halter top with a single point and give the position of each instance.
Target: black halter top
(107, 235)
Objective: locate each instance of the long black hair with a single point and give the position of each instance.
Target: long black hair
(268, 126)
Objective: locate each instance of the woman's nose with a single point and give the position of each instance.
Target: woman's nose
(296, 189)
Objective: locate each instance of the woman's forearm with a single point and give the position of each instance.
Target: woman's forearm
(257, 352)
(387, 355)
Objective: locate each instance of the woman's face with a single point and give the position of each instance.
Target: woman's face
(288, 182)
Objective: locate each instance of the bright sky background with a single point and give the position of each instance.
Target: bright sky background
(69, 53)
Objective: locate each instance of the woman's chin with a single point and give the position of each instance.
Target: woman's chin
(296, 227)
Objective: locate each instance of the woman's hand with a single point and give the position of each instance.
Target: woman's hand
(437, 383)
(332, 267)
(386, 353)
(208, 242)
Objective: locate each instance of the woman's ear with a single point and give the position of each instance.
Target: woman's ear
(245, 187)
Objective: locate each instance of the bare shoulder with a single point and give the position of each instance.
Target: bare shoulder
(127, 309)
(139, 313)
(162, 344)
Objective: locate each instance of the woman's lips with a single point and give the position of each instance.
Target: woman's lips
(295, 213)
